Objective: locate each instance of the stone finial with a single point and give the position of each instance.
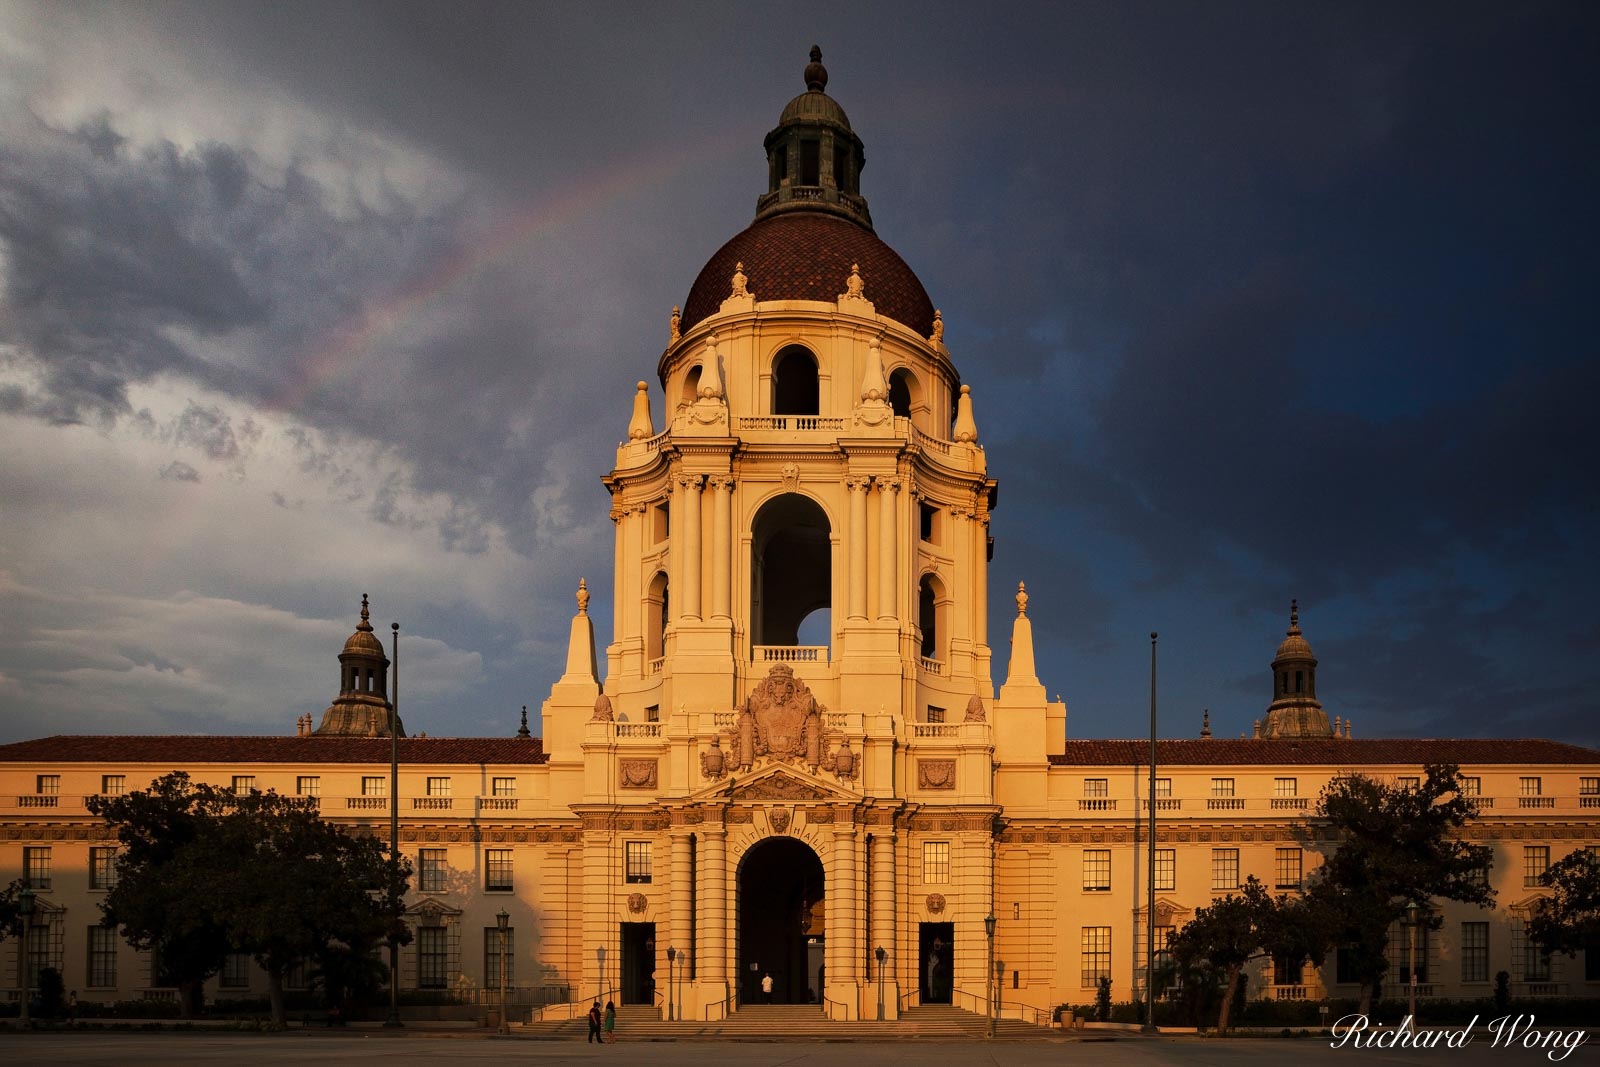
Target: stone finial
(740, 288)
(710, 387)
(1294, 617)
(937, 336)
(583, 597)
(1258, 729)
(874, 389)
(640, 426)
(855, 287)
(816, 74)
(522, 731)
(365, 625)
(1337, 727)
(602, 709)
(974, 709)
(675, 324)
(1205, 723)
(1022, 599)
(1347, 729)
(966, 428)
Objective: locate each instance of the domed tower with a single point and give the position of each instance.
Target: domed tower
(1295, 710)
(362, 708)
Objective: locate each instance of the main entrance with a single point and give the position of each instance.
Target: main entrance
(936, 955)
(780, 922)
(638, 963)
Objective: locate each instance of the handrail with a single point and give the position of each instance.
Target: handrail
(827, 1006)
(723, 1004)
(540, 1014)
(980, 1004)
(1026, 1013)
(907, 998)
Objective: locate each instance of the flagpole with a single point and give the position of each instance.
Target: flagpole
(1150, 902)
(394, 822)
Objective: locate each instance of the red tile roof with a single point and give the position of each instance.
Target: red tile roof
(295, 750)
(1355, 752)
(806, 255)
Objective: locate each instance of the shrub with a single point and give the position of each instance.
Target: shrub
(1102, 1000)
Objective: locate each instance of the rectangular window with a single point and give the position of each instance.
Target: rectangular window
(1474, 952)
(102, 957)
(1167, 868)
(235, 971)
(438, 787)
(504, 787)
(243, 783)
(47, 785)
(497, 869)
(1286, 787)
(936, 862)
(1588, 787)
(652, 713)
(1527, 957)
(1164, 946)
(1471, 786)
(1409, 782)
(1288, 868)
(637, 865)
(810, 162)
(102, 867)
(432, 957)
(1531, 787)
(1224, 868)
(113, 785)
(1287, 971)
(935, 714)
(925, 513)
(1222, 787)
(1163, 787)
(432, 868)
(308, 785)
(1096, 956)
(1535, 861)
(36, 867)
(491, 957)
(1097, 870)
(374, 785)
(1097, 787)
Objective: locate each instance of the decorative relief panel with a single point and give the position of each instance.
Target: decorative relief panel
(936, 774)
(636, 774)
(778, 819)
(637, 902)
(935, 903)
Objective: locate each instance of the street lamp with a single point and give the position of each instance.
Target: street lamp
(1410, 922)
(882, 954)
(999, 988)
(672, 959)
(988, 930)
(600, 959)
(25, 903)
(684, 958)
(501, 918)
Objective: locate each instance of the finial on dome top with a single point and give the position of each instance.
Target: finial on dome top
(816, 73)
(1022, 599)
(1294, 616)
(522, 731)
(364, 625)
(1205, 723)
(583, 597)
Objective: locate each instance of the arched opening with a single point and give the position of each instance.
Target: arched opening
(792, 568)
(780, 922)
(816, 628)
(901, 392)
(691, 387)
(794, 383)
(655, 619)
(932, 617)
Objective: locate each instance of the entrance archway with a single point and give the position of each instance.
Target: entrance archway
(780, 921)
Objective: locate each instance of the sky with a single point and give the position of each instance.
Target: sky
(300, 301)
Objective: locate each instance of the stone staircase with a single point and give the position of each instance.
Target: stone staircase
(793, 1022)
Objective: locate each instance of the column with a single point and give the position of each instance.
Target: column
(980, 536)
(846, 966)
(887, 605)
(680, 898)
(858, 547)
(883, 892)
(721, 550)
(596, 904)
(713, 948)
(689, 547)
(622, 519)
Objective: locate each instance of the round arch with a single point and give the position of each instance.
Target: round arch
(780, 884)
(933, 616)
(791, 567)
(905, 392)
(796, 388)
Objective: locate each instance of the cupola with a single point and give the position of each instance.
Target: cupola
(1295, 710)
(362, 708)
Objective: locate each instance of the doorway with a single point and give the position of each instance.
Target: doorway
(780, 925)
(936, 958)
(638, 963)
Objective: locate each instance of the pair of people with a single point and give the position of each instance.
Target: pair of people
(603, 1028)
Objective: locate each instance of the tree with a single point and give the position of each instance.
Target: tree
(1223, 937)
(1570, 918)
(1395, 845)
(11, 909)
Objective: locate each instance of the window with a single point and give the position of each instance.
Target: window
(504, 787)
(810, 161)
(1286, 787)
(936, 862)
(1096, 956)
(491, 957)
(36, 867)
(1097, 787)
(308, 785)
(1287, 970)
(652, 713)
(1529, 962)
(235, 971)
(1222, 787)
(1409, 782)
(431, 957)
(438, 787)
(1480, 874)
(497, 869)
(935, 714)
(1163, 787)
(113, 785)
(432, 868)
(102, 957)
(47, 785)
(1474, 952)
(1288, 868)
(1588, 787)
(102, 867)
(1166, 868)
(1097, 870)
(1224, 868)
(637, 857)
(1531, 787)
(925, 514)
(1535, 861)
(243, 783)
(374, 785)
(1471, 786)
(1164, 946)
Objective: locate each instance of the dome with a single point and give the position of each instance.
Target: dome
(364, 642)
(1294, 645)
(807, 255)
(812, 107)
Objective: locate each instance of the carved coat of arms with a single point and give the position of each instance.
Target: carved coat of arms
(781, 719)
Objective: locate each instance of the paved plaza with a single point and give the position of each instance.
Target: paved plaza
(121, 1049)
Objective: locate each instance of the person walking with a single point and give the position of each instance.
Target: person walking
(766, 988)
(611, 1021)
(594, 1022)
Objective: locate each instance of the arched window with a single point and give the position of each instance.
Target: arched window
(900, 383)
(933, 617)
(794, 383)
(691, 387)
(792, 570)
(655, 618)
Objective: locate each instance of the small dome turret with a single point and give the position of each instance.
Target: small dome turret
(1295, 710)
(362, 708)
(814, 158)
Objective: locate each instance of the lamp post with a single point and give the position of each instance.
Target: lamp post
(25, 903)
(882, 954)
(672, 959)
(988, 930)
(999, 988)
(684, 958)
(1150, 866)
(1411, 957)
(501, 918)
(600, 959)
